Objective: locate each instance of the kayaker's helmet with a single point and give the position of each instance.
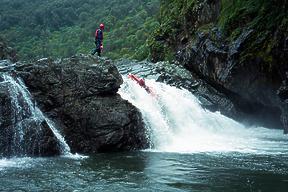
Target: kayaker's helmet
(102, 26)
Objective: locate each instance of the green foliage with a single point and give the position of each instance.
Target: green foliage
(264, 17)
(256, 14)
(61, 28)
(175, 19)
(179, 21)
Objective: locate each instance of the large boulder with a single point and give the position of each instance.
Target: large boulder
(103, 124)
(80, 95)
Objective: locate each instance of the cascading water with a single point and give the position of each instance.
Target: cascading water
(177, 123)
(25, 116)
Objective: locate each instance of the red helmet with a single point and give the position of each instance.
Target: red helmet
(102, 26)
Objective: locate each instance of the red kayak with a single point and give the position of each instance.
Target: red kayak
(141, 82)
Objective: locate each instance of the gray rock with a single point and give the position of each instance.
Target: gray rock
(103, 124)
(80, 95)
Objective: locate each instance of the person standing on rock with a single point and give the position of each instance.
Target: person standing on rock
(98, 40)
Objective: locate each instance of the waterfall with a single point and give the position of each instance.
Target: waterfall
(25, 116)
(176, 122)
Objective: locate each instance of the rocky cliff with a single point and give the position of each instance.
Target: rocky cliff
(238, 47)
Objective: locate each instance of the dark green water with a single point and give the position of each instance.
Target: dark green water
(148, 171)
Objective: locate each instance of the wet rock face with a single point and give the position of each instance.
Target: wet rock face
(21, 133)
(80, 95)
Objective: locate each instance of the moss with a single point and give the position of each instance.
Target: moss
(265, 18)
(257, 14)
(237, 13)
(175, 16)
(235, 34)
(206, 28)
(157, 51)
(178, 20)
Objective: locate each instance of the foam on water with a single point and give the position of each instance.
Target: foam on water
(16, 163)
(177, 123)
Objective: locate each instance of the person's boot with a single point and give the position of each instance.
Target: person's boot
(93, 51)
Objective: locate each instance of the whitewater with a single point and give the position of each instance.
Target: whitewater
(176, 122)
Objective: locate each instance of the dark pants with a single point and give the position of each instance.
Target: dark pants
(97, 49)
